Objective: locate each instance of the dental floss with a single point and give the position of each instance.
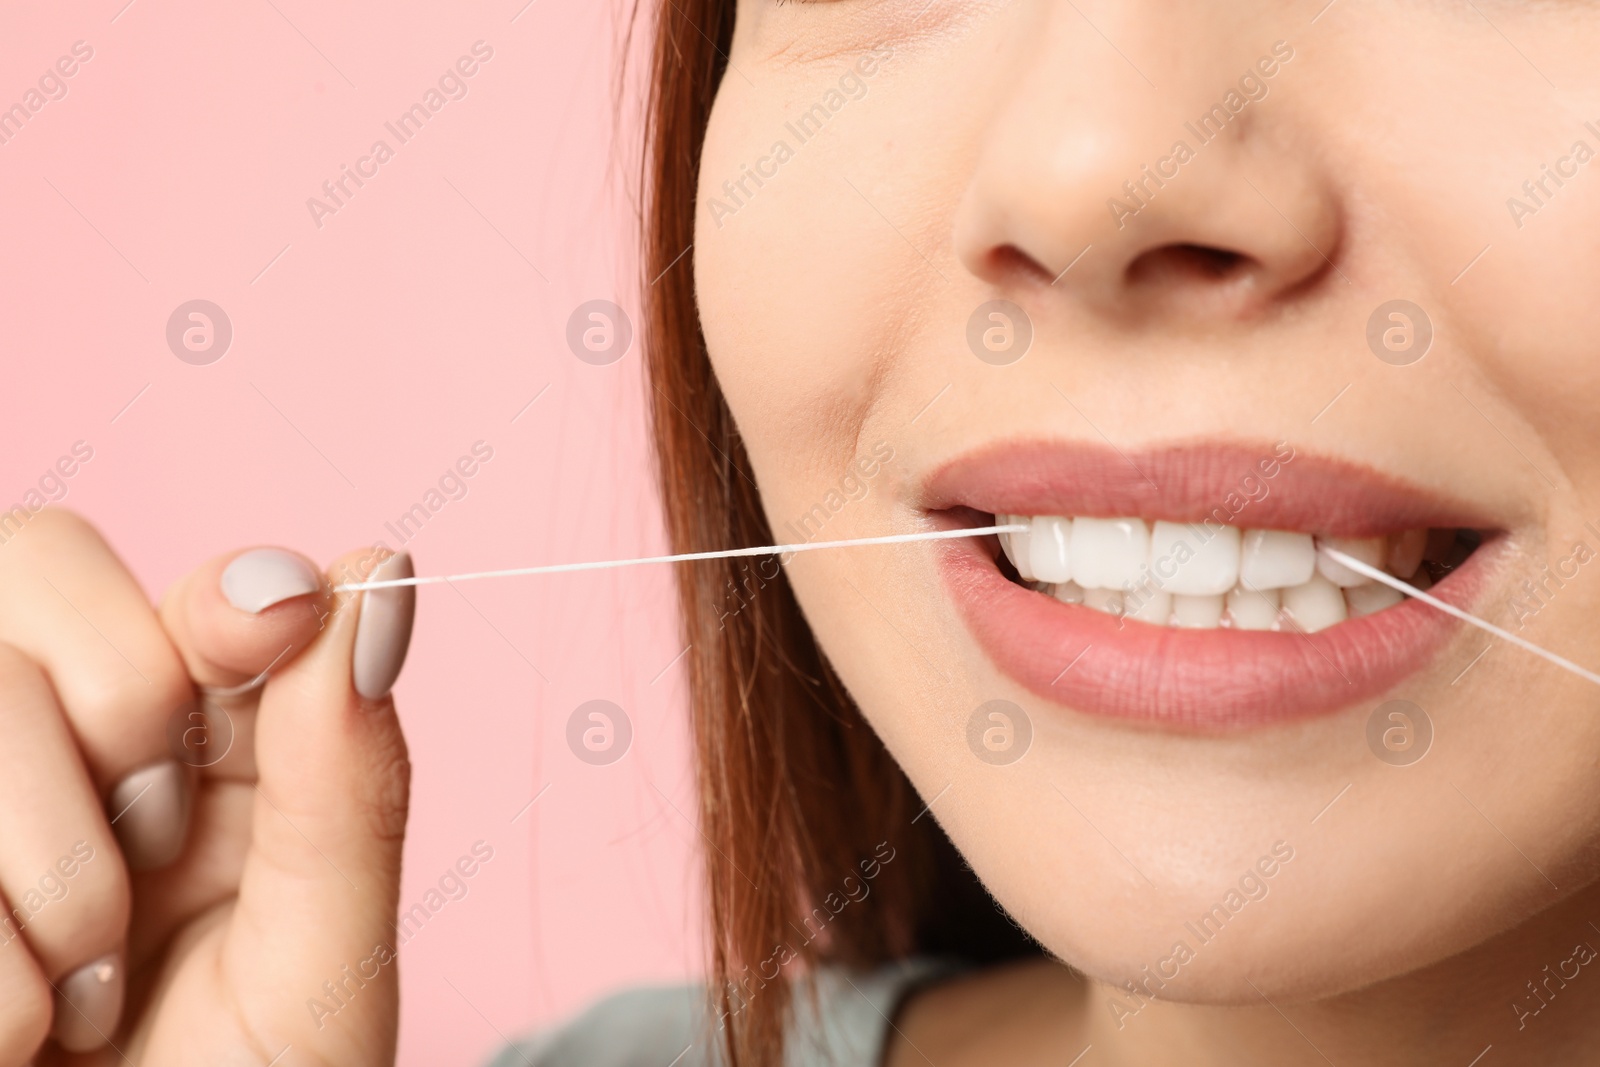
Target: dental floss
(1450, 609)
(764, 550)
(1334, 554)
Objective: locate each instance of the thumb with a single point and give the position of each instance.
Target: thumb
(311, 950)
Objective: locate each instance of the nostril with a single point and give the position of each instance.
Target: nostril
(1187, 264)
(1009, 262)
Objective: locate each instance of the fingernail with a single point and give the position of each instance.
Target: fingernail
(263, 577)
(383, 632)
(150, 814)
(89, 1004)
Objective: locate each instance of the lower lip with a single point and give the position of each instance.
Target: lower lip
(1199, 680)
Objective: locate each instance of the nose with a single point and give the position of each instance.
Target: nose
(1196, 199)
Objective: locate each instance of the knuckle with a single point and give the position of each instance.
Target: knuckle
(17, 670)
(58, 525)
(108, 698)
(47, 534)
(69, 921)
(389, 800)
(65, 523)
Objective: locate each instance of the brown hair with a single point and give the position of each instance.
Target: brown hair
(797, 794)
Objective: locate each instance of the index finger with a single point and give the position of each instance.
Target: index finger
(235, 620)
(240, 615)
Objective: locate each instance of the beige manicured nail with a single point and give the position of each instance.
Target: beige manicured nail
(263, 577)
(89, 1004)
(383, 632)
(149, 811)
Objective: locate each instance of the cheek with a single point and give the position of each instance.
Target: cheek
(1525, 309)
(798, 281)
(1544, 325)
(798, 295)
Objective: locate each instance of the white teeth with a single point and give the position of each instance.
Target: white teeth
(1106, 600)
(1069, 593)
(1109, 553)
(1369, 550)
(1276, 559)
(1049, 548)
(1316, 605)
(1370, 598)
(1253, 609)
(1204, 560)
(1148, 605)
(1197, 612)
(1017, 548)
(1405, 551)
(1201, 576)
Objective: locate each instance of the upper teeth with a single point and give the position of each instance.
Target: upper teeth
(1204, 575)
(1276, 559)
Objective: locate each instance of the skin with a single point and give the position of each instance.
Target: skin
(975, 164)
(224, 946)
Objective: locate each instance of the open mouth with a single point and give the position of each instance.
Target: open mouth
(1184, 588)
(1205, 576)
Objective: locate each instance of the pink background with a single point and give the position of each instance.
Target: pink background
(368, 355)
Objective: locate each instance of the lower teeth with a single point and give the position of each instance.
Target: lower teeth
(1315, 605)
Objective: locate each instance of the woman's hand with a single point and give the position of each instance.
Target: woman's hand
(197, 881)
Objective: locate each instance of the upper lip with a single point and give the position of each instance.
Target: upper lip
(1189, 483)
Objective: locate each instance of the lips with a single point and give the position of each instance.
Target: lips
(1230, 678)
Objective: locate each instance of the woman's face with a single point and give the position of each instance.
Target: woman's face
(1199, 218)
